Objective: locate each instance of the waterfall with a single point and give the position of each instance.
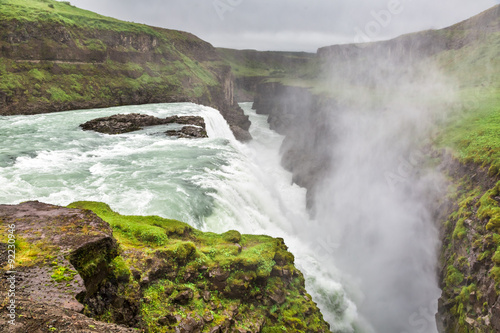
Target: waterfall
(217, 127)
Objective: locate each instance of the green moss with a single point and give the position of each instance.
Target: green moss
(63, 274)
(29, 253)
(274, 329)
(38, 75)
(496, 257)
(495, 274)
(453, 277)
(462, 307)
(120, 268)
(489, 209)
(232, 236)
(95, 45)
(136, 230)
(485, 255)
(185, 251)
(460, 231)
(58, 95)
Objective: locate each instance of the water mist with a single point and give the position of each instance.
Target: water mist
(375, 206)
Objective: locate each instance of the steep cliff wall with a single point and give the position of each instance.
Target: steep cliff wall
(304, 120)
(56, 57)
(470, 259)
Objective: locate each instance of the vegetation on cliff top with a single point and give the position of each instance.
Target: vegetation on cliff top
(473, 135)
(62, 12)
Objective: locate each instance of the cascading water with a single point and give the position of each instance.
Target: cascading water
(215, 184)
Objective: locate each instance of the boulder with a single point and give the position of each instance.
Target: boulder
(62, 256)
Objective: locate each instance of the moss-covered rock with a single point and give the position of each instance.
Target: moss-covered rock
(469, 260)
(204, 281)
(162, 275)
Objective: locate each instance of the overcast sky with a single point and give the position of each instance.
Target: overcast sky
(290, 25)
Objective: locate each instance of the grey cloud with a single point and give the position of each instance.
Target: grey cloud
(285, 24)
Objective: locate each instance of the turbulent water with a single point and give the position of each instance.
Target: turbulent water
(215, 184)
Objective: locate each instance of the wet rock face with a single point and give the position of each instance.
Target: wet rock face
(470, 299)
(306, 121)
(125, 123)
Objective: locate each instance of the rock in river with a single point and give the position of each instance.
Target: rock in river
(124, 123)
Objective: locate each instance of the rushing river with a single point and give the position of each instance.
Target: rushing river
(214, 184)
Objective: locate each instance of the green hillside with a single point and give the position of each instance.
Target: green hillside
(55, 57)
(62, 12)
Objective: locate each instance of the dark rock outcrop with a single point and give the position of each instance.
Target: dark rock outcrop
(36, 317)
(124, 123)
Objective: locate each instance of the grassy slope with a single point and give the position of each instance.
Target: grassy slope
(474, 134)
(48, 11)
(179, 75)
(253, 264)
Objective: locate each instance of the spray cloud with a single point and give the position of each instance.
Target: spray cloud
(376, 203)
